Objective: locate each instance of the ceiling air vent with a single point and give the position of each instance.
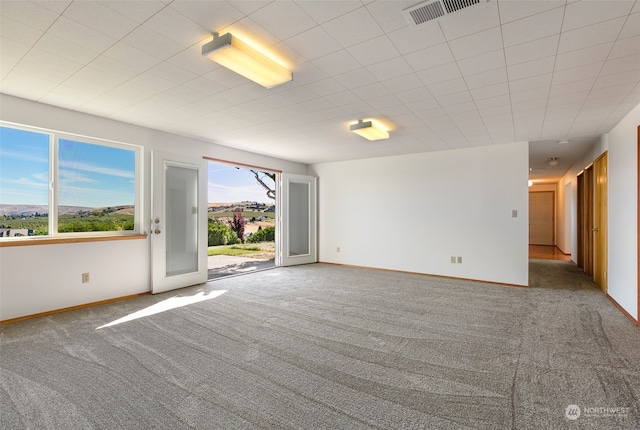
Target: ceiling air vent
(435, 9)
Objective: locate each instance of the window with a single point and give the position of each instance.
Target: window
(54, 184)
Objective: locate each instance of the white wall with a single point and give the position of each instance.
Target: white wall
(41, 278)
(413, 212)
(623, 213)
(621, 144)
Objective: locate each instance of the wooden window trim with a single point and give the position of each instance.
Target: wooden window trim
(64, 240)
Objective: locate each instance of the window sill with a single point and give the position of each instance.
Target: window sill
(62, 240)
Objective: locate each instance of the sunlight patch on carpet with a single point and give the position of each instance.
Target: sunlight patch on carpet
(165, 305)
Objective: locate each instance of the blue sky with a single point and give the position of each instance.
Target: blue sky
(95, 175)
(230, 184)
(88, 175)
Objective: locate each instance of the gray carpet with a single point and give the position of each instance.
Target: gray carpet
(330, 347)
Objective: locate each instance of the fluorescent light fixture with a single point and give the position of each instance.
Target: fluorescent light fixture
(369, 130)
(234, 54)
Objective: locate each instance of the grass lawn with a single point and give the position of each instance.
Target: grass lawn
(265, 250)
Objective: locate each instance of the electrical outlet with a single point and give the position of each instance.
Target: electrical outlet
(85, 278)
(514, 213)
(338, 249)
(453, 259)
(459, 260)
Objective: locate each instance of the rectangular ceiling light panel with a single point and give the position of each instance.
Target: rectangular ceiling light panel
(234, 54)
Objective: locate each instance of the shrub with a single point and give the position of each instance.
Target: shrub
(220, 234)
(267, 234)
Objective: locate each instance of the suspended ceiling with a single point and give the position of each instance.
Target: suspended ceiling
(500, 72)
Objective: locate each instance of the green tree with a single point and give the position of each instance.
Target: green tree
(237, 224)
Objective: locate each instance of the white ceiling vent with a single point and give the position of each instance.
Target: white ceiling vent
(425, 12)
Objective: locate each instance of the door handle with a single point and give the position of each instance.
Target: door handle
(157, 231)
(595, 230)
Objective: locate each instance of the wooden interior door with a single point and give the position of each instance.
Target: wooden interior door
(600, 223)
(541, 218)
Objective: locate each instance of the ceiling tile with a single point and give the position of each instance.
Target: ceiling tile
(490, 77)
(617, 78)
(490, 91)
(482, 63)
(313, 43)
(477, 43)
(371, 91)
(578, 73)
(538, 81)
(211, 16)
(439, 74)
(355, 78)
(81, 35)
(388, 14)
(592, 35)
(152, 43)
(409, 39)
(533, 50)
(342, 98)
(533, 27)
(137, 10)
(631, 26)
(27, 13)
(390, 69)
(65, 49)
(100, 18)
(430, 57)
(403, 83)
(325, 87)
(325, 10)
(572, 87)
(177, 28)
(19, 32)
(454, 99)
(531, 68)
(584, 13)
(512, 10)
(283, 18)
(623, 64)
(580, 57)
(337, 63)
(448, 87)
(624, 47)
(353, 28)
(481, 17)
(374, 51)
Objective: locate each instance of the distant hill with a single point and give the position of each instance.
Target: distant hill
(28, 210)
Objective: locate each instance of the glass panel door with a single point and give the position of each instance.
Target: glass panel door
(179, 222)
(298, 202)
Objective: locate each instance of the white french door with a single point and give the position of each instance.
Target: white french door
(298, 215)
(178, 222)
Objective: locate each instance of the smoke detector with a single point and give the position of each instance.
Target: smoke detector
(431, 10)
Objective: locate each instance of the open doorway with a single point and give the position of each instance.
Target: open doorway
(241, 219)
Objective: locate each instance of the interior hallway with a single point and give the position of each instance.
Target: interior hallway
(543, 252)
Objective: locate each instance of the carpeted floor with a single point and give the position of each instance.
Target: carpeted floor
(331, 347)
